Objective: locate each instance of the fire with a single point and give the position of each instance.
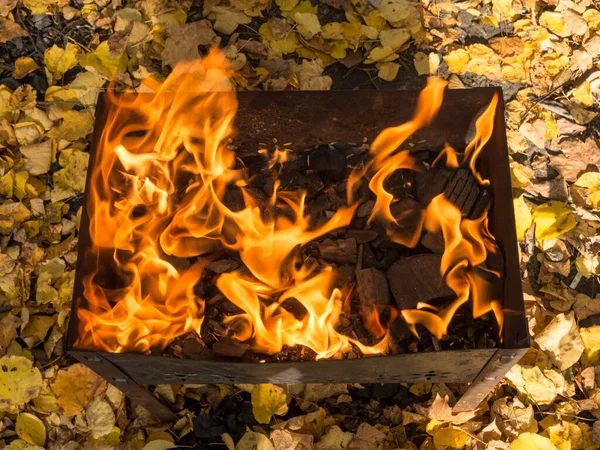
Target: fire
(157, 196)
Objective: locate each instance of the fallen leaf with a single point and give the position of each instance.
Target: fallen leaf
(308, 24)
(10, 30)
(426, 64)
(8, 327)
(87, 86)
(450, 436)
(316, 392)
(394, 38)
(19, 382)
(591, 340)
(311, 76)
(457, 61)
(591, 182)
(6, 6)
(575, 157)
(227, 20)
(75, 387)
(24, 66)
(532, 382)
(552, 219)
(31, 429)
(58, 60)
(334, 439)
(561, 341)
(103, 61)
(530, 441)
(523, 217)
(268, 400)
(388, 71)
(39, 157)
(367, 437)
(182, 42)
(441, 410)
(395, 10)
(507, 46)
(43, 6)
(287, 440)
(159, 444)
(555, 22)
(254, 441)
(100, 418)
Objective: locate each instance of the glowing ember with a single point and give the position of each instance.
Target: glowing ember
(157, 195)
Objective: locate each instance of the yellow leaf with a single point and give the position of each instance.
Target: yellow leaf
(553, 219)
(591, 182)
(75, 125)
(31, 429)
(483, 61)
(450, 437)
(24, 66)
(100, 418)
(43, 6)
(308, 24)
(395, 10)
(39, 157)
(381, 54)
(58, 60)
(420, 388)
(19, 382)
(591, 341)
(503, 9)
(394, 37)
(388, 71)
(565, 436)
(105, 63)
(530, 441)
(520, 175)
(555, 22)
(87, 86)
(159, 444)
(592, 17)
(285, 46)
(457, 61)
(268, 400)
(562, 341)
(286, 5)
(75, 386)
(522, 217)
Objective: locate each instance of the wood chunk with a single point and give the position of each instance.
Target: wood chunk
(342, 250)
(223, 265)
(373, 290)
(417, 279)
(436, 186)
(230, 349)
(434, 241)
(365, 209)
(481, 205)
(193, 346)
(462, 190)
(362, 236)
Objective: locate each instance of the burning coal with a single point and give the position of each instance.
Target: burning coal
(164, 166)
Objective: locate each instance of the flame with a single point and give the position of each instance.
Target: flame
(157, 196)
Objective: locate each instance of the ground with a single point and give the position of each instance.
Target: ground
(57, 55)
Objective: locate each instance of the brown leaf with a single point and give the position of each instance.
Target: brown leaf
(441, 410)
(507, 46)
(576, 156)
(7, 6)
(10, 30)
(182, 43)
(8, 331)
(76, 386)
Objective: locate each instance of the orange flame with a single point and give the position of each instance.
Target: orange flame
(157, 195)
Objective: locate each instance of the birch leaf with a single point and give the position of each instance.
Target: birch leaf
(268, 400)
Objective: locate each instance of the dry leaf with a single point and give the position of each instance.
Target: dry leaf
(10, 30)
(268, 400)
(159, 444)
(287, 440)
(522, 217)
(39, 157)
(334, 439)
(58, 60)
(227, 20)
(441, 410)
(19, 382)
(530, 441)
(254, 441)
(388, 71)
(6, 6)
(24, 66)
(561, 341)
(308, 24)
(103, 60)
(395, 10)
(367, 437)
(457, 61)
(100, 418)
(31, 429)
(182, 43)
(311, 76)
(552, 219)
(75, 387)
